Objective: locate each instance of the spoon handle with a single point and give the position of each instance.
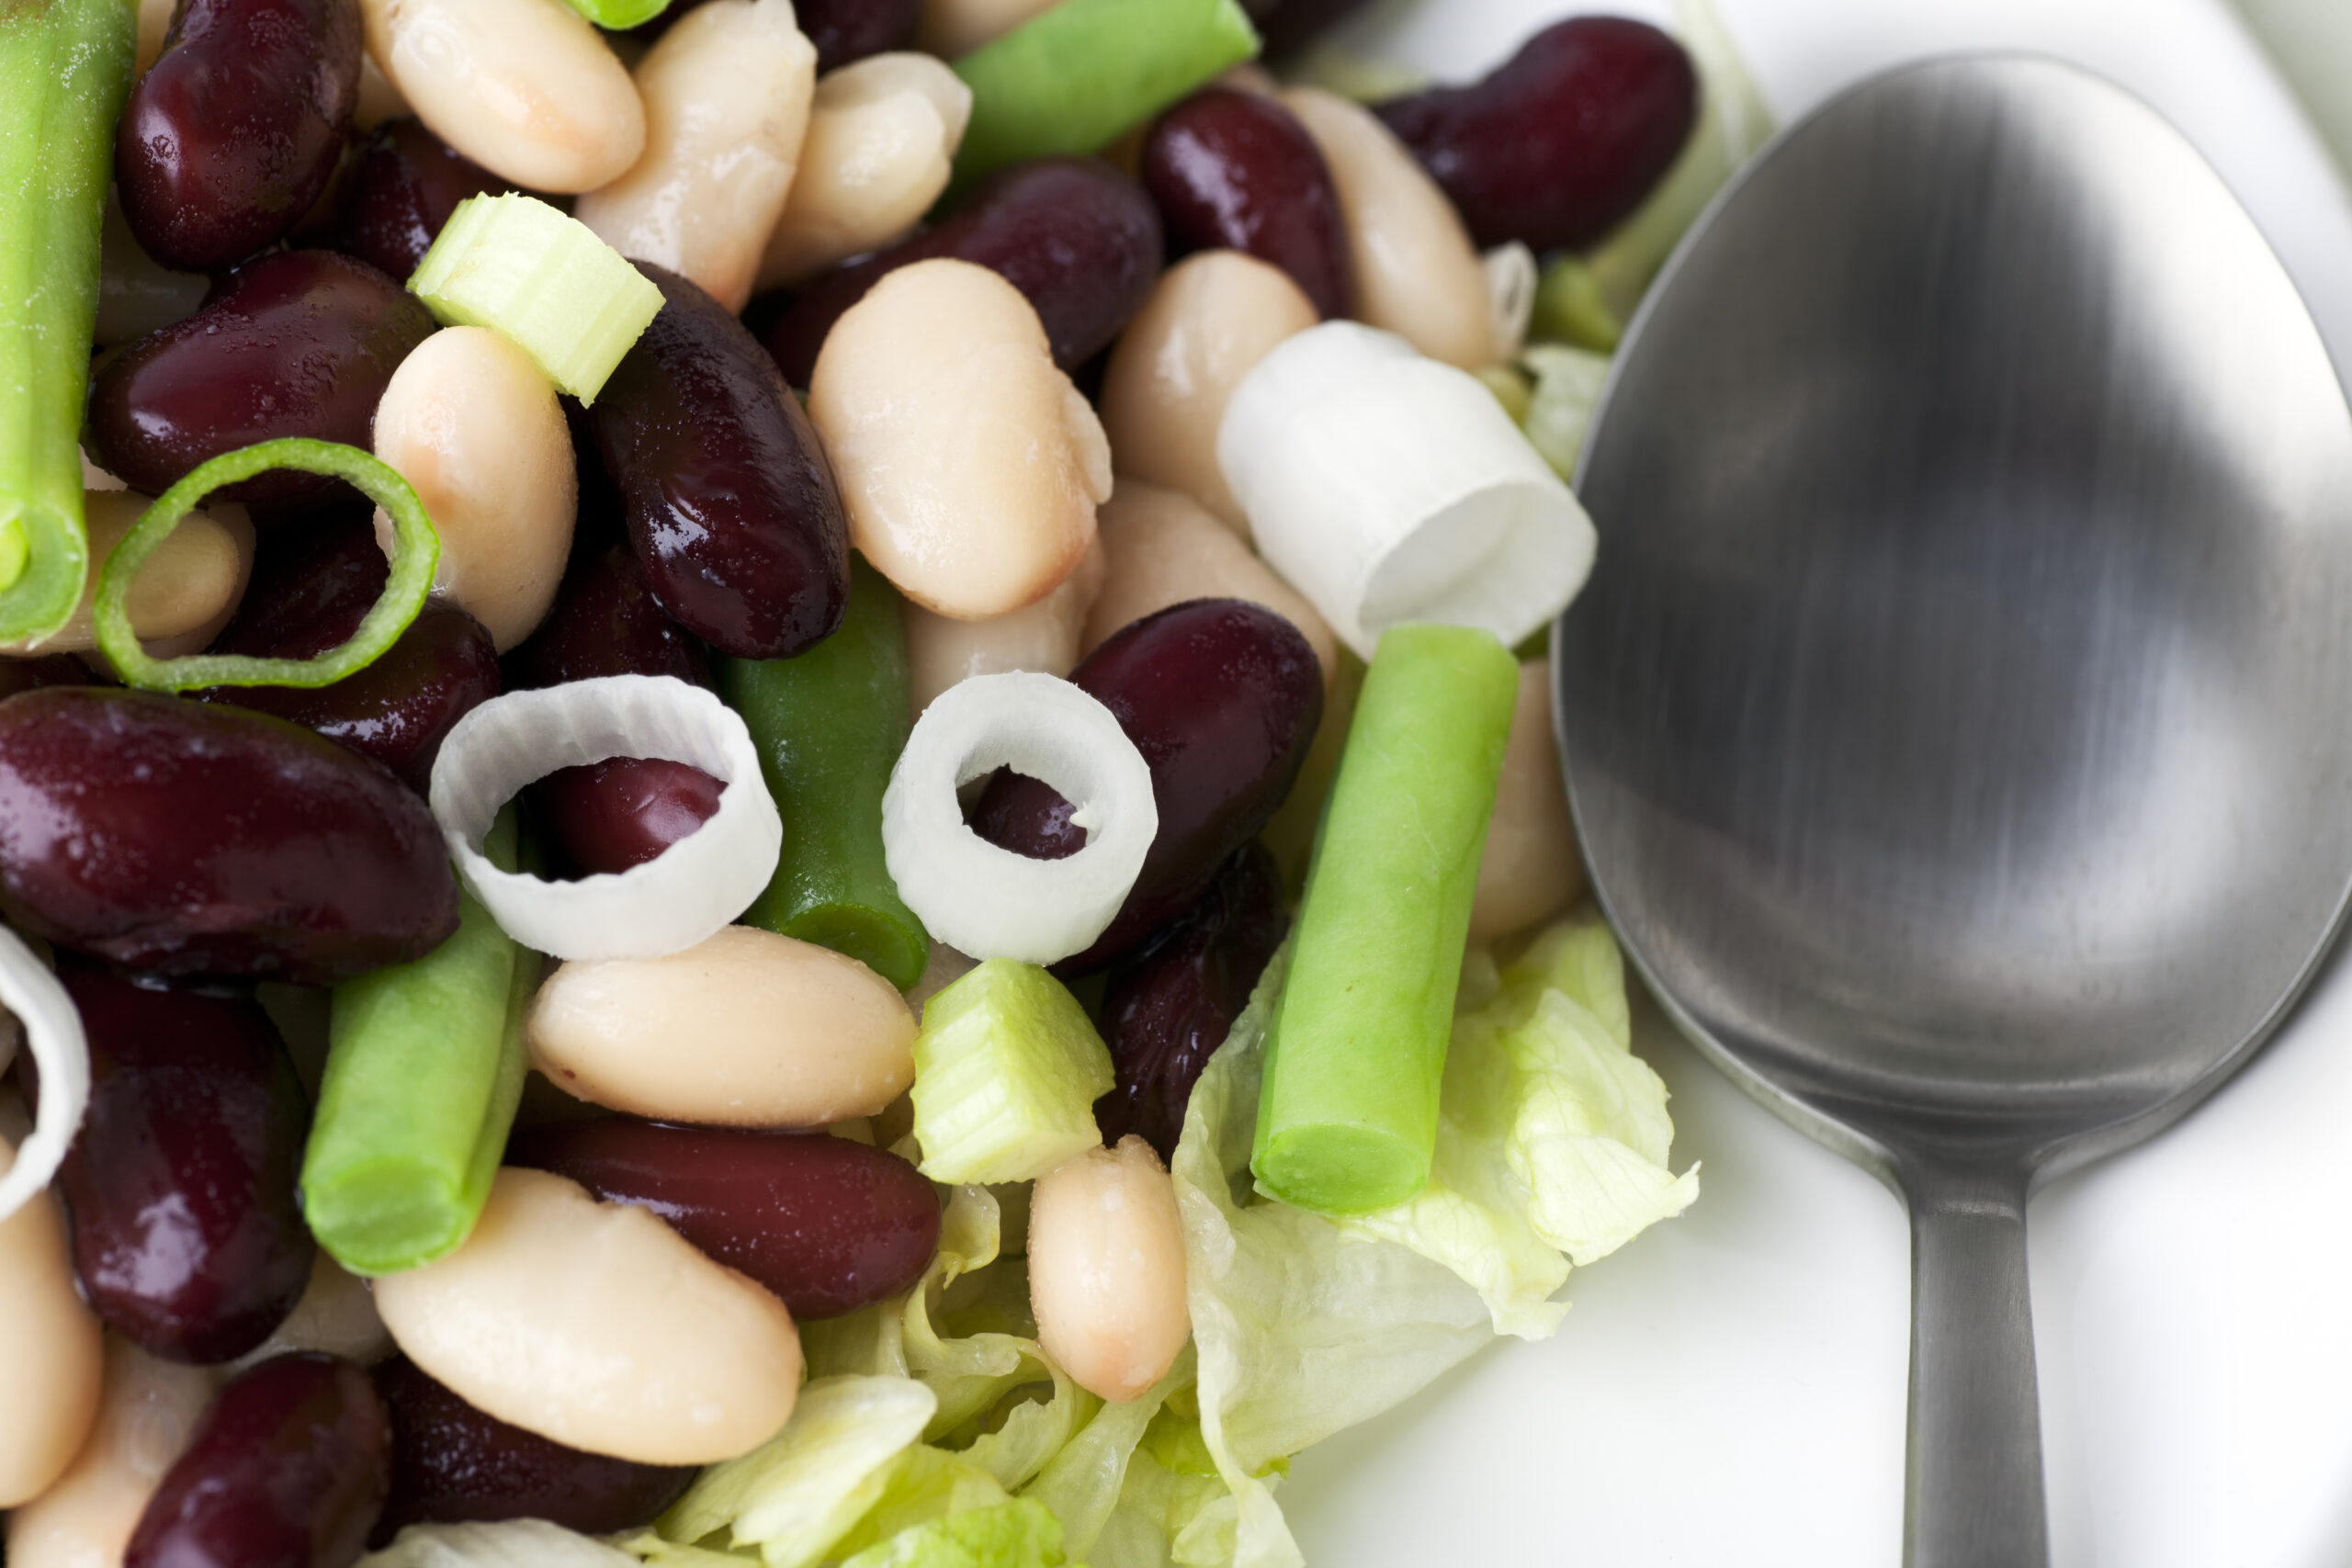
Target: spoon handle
(1973, 1494)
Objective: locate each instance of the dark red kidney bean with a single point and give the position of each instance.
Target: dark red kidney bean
(288, 1469)
(453, 1464)
(301, 343)
(610, 815)
(730, 504)
(193, 840)
(1222, 697)
(49, 670)
(1078, 238)
(1288, 26)
(400, 708)
(180, 1186)
(312, 584)
(826, 1224)
(1167, 1010)
(606, 621)
(1236, 170)
(401, 191)
(234, 130)
(1564, 139)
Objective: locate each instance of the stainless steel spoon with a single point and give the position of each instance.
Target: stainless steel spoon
(1959, 722)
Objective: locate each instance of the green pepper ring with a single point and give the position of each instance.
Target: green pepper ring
(416, 550)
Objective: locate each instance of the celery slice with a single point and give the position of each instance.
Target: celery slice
(416, 550)
(64, 74)
(1007, 1072)
(518, 267)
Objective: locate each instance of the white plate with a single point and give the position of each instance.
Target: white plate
(1729, 1392)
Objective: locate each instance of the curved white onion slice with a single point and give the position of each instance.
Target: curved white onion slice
(990, 902)
(62, 1053)
(682, 896)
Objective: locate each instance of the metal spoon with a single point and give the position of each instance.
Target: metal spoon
(1957, 720)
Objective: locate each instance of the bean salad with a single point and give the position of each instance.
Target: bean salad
(668, 671)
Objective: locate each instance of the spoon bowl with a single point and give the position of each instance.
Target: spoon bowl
(1955, 721)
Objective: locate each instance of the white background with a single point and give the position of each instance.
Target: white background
(1729, 1390)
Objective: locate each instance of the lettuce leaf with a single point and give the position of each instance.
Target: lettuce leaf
(1552, 1134)
(512, 1543)
(1016, 1534)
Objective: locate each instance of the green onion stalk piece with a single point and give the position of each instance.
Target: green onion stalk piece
(1347, 1118)
(64, 74)
(1007, 1071)
(1571, 309)
(1074, 78)
(416, 550)
(618, 15)
(543, 278)
(829, 725)
(424, 1068)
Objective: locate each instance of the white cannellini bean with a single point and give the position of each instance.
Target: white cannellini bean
(1209, 318)
(50, 1350)
(474, 425)
(747, 1029)
(1417, 273)
(1531, 868)
(1044, 636)
(597, 1326)
(1162, 548)
(147, 1413)
(189, 588)
(882, 138)
(950, 27)
(525, 88)
(727, 95)
(970, 465)
(336, 1314)
(1106, 1269)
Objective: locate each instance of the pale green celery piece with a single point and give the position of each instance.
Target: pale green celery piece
(425, 1069)
(518, 267)
(1733, 123)
(1511, 389)
(1016, 1534)
(1569, 308)
(618, 15)
(1008, 1067)
(1567, 389)
(64, 74)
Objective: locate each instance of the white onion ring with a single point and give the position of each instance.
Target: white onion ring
(990, 902)
(61, 1053)
(682, 897)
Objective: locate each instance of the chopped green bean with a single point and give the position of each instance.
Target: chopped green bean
(64, 74)
(424, 1068)
(620, 14)
(1347, 1120)
(1073, 78)
(829, 725)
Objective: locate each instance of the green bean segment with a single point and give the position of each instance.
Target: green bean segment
(416, 550)
(829, 725)
(424, 1068)
(1347, 1119)
(1074, 78)
(64, 74)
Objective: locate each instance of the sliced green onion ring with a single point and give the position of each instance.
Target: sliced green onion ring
(416, 550)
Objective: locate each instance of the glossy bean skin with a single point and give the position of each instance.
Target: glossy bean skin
(402, 188)
(1236, 171)
(194, 839)
(452, 1463)
(610, 815)
(1222, 698)
(234, 132)
(826, 1224)
(1167, 1008)
(186, 1235)
(1564, 139)
(730, 501)
(606, 621)
(1078, 238)
(301, 343)
(400, 708)
(287, 1470)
